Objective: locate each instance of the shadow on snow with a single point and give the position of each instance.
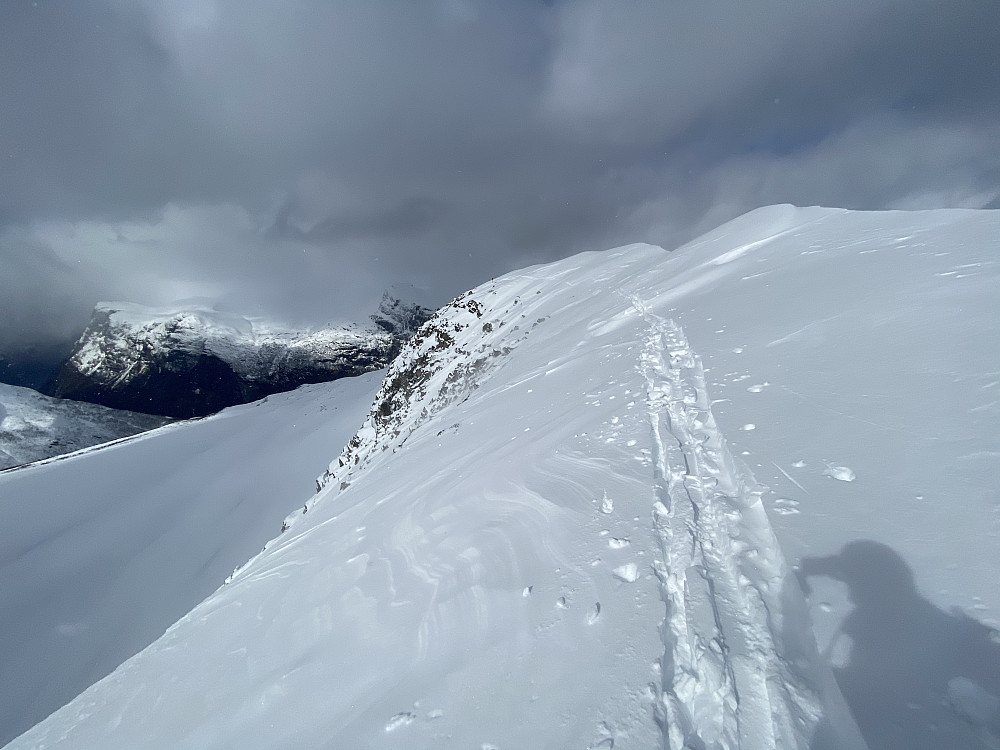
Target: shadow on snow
(917, 678)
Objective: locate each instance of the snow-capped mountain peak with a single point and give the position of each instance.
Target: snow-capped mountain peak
(192, 361)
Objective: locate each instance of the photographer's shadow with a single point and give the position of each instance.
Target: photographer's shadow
(917, 678)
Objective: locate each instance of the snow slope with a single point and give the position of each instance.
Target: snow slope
(34, 427)
(547, 533)
(103, 549)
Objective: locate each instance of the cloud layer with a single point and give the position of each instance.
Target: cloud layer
(290, 158)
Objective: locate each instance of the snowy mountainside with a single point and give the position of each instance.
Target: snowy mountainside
(194, 361)
(103, 549)
(572, 515)
(34, 427)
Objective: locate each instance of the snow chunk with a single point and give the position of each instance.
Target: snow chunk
(399, 720)
(629, 573)
(842, 473)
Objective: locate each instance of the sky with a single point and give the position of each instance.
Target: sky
(291, 158)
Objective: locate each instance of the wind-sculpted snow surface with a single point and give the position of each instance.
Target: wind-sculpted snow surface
(540, 538)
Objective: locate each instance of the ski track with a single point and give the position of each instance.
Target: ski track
(723, 683)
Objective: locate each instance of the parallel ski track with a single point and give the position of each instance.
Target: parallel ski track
(724, 684)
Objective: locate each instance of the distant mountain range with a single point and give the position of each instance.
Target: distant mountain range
(194, 361)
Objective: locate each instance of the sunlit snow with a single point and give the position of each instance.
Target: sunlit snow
(552, 530)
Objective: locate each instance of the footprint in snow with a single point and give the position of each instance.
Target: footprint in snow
(607, 738)
(594, 614)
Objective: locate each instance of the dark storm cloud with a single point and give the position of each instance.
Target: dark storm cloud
(33, 277)
(290, 157)
(81, 105)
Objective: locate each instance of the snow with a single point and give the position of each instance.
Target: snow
(34, 427)
(552, 530)
(840, 473)
(740, 668)
(102, 550)
(215, 323)
(136, 330)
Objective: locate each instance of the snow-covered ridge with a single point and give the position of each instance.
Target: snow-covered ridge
(740, 667)
(194, 361)
(547, 533)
